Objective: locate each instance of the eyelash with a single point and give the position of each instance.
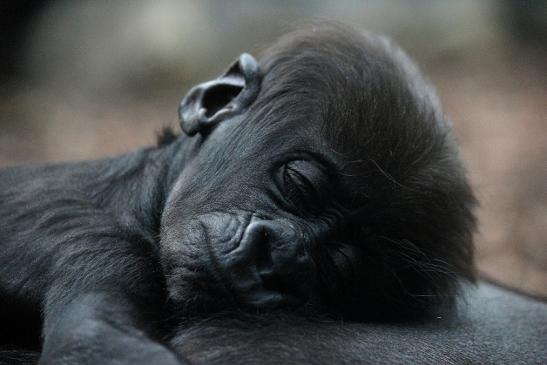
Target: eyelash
(299, 191)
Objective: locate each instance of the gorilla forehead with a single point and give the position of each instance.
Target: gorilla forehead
(355, 87)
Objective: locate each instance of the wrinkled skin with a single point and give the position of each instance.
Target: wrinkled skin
(323, 178)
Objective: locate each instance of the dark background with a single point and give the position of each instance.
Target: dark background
(85, 79)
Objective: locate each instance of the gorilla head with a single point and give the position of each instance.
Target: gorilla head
(325, 175)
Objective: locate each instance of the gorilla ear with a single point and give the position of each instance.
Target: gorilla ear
(209, 103)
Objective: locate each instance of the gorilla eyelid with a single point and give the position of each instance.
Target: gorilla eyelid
(294, 175)
(300, 181)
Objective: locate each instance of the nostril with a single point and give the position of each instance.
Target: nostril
(266, 246)
(281, 261)
(262, 248)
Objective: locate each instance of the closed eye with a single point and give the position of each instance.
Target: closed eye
(300, 182)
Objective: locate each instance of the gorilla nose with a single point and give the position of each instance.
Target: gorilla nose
(273, 265)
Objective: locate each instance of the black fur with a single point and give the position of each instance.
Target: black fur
(166, 136)
(101, 253)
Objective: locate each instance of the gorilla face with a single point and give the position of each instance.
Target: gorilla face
(245, 218)
(327, 176)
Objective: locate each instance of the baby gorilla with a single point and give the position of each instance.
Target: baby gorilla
(324, 176)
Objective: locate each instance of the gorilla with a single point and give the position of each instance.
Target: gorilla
(322, 178)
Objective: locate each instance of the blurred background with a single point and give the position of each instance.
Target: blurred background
(83, 79)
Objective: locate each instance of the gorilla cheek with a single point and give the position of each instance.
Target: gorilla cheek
(188, 255)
